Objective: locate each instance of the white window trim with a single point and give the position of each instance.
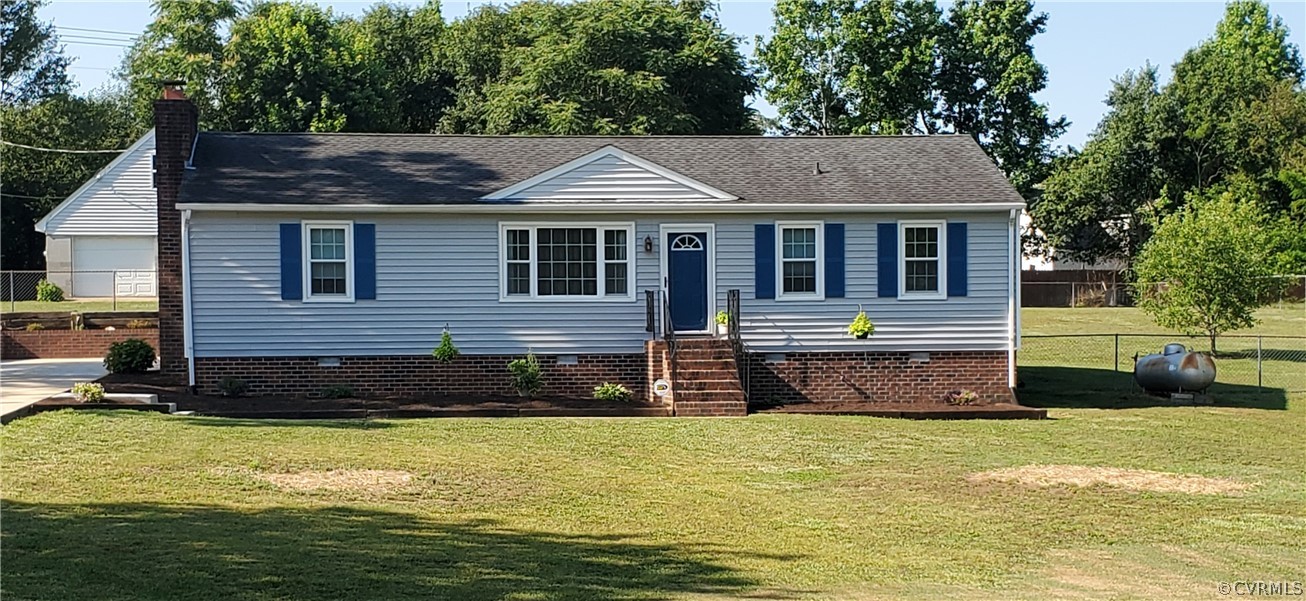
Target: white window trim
(306, 242)
(780, 294)
(601, 272)
(942, 292)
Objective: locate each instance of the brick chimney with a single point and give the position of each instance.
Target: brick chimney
(176, 121)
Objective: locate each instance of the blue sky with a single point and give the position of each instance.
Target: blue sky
(1086, 43)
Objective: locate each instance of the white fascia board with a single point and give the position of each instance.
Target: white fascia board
(607, 207)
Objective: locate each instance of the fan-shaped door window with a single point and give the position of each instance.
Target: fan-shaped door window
(687, 242)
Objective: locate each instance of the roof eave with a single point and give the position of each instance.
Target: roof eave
(605, 207)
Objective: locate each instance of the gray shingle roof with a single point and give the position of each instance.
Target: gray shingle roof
(363, 169)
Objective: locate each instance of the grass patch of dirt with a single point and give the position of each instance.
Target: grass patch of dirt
(353, 481)
(1128, 479)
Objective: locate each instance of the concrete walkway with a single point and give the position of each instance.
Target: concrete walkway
(28, 381)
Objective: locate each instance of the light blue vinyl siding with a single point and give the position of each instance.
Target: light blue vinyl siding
(433, 270)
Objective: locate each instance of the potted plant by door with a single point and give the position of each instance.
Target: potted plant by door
(722, 323)
(861, 327)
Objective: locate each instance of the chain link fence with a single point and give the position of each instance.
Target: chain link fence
(1076, 363)
(82, 290)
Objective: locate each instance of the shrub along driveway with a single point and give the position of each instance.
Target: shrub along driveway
(1131, 503)
(28, 381)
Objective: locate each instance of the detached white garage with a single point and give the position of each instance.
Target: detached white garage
(101, 240)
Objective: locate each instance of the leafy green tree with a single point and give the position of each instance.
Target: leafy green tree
(36, 181)
(1248, 56)
(184, 41)
(406, 43)
(987, 80)
(900, 66)
(839, 67)
(805, 66)
(1234, 114)
(31, 62)
(597, 67)
(296, 67)
(1102, 202)
(1211, 283)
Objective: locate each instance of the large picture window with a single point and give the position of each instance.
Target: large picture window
(328, 251)
(921, 259)
(543, 261)
(800, 260)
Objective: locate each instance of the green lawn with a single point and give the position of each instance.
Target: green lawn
(1286, 320)
(82, 306)
(133, 506)
(1097, 370)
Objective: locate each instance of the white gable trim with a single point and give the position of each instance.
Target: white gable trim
(147, 139)
(608, 151)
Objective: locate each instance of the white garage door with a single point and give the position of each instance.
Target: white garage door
(103, 265)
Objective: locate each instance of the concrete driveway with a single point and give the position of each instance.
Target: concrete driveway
(28, 381)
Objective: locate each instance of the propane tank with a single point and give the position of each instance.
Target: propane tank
(1176, 369)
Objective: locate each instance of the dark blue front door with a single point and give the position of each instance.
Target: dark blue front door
(687, 280)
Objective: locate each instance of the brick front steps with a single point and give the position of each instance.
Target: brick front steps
(994, 411)
(707, 380)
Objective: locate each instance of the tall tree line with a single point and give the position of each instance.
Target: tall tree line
(598, 67)
(907, 67)
(1231, 122)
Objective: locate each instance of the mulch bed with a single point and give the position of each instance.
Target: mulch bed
(169, 391)
(912, 411)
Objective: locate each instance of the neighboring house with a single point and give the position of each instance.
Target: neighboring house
(1049, 260)
(297, 261)
(100, 240)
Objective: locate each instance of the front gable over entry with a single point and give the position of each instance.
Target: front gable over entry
(609, 174)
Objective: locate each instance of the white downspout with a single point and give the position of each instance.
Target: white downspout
(1013, 296)
(188, 327)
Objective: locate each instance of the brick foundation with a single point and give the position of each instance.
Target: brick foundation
(421, 375)
(880, 377)
(67, 344)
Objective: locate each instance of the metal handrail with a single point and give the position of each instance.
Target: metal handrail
(736, 340)
(669, 334)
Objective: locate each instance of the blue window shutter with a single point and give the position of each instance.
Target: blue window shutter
(956, 259)
(886, 260)
(834, 260)
(364, 261)
(764, 260)
(292, 262)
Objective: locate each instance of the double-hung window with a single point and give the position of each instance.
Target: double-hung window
(328, 252)
(800, 260)
(554, 261)
(921, 262)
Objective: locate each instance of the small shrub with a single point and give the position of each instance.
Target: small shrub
(34, 326)
(446, 352)
(526, 375)
(48, 292)
(962, 397)
(88, 392)
(611, 392)
(338, 391)
(131, 356)
(140, 324)
(233, 387)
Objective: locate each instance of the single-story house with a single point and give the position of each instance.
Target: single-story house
(100, 240)
(297, 261)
